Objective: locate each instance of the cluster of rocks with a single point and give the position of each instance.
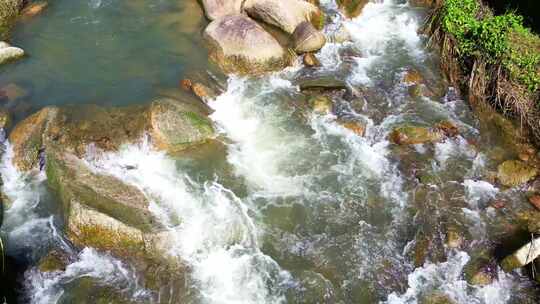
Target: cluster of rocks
(9, 11)
(257, 36)
(99, 210)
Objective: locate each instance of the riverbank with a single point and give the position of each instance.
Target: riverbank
(491, 58)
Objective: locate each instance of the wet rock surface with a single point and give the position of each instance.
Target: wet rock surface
(285, 14)
(239, 45)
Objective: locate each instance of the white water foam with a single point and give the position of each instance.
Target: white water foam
(27, 231)
(48, 287)
(210, 227)
(258, 151)
(380, 24)
(446, 278)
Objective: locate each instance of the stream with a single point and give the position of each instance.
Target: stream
(292, 207)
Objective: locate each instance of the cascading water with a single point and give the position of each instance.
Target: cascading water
(323, 215)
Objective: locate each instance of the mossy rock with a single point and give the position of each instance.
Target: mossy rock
(352, 8)
(175, 126)
(87, 290)
(514, 173)
(411, 135)
(55, 260)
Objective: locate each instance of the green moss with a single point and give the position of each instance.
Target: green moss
(202, 124)
(496, 39)
(108, 240)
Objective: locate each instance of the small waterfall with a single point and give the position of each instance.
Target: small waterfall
(212, 230)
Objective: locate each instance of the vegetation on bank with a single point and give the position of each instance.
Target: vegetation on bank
(499, 39)
(493, 57)
(8, 11)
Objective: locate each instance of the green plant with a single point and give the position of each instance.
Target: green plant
(495, 39)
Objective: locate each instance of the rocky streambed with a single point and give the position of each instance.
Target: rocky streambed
(320, 156)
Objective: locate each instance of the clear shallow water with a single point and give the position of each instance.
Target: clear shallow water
(106, 51)
(299, 209)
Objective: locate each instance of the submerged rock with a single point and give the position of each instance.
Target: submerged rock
(55, 260)
(321, 104)
(514, 173)
(285, 14)
(33, 9)
(5, 119)
(13, 92)
(10, 53)
(411, 135)
(354, 126)
(239, 45)
(481, 269)
(436, 298)
(215, 9)
(89, 290)
(307, 39)
(522, 256)
(448, 128)
(413, 77)
(352, 8)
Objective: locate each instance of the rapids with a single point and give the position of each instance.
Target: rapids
(297, 208)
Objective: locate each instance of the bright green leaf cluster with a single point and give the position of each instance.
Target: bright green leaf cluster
(490, 38)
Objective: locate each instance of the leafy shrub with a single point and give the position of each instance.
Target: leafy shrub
(497, 39)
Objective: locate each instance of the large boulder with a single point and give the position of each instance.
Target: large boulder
(285, 14)
(215, 9)
(240, 45)
(9, 9)
(307, 39)
(173, 125)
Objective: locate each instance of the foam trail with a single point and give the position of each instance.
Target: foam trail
(48, 287)
(257, 151)
(446, 278)
(211, 227)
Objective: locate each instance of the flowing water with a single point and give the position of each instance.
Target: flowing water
(297, 208)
